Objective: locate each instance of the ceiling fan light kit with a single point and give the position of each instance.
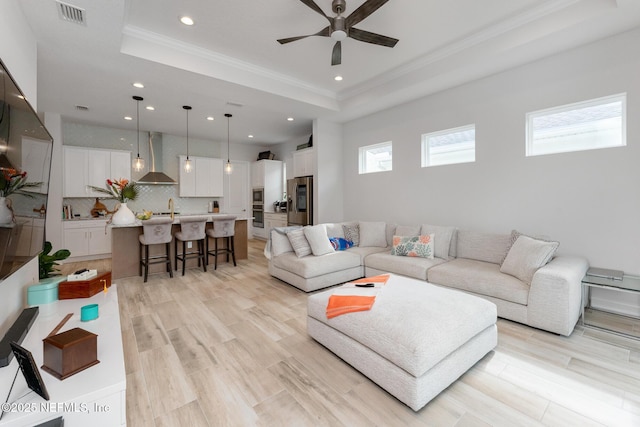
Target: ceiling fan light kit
(341, 28)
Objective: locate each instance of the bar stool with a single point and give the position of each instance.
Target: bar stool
(191, 230)
(223, 228)
(155, 231)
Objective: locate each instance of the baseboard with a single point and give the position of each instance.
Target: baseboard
(616, 302)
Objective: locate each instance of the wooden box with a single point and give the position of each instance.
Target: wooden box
(69, 352)
(84, 288)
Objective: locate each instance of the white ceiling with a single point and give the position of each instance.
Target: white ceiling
(231, 55)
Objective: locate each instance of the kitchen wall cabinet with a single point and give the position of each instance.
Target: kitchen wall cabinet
(267, 174)
(84, 167)
(87, 238)
(304, 162)
(205, 178)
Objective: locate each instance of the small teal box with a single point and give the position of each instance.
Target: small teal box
(44, 292)
(89, 312)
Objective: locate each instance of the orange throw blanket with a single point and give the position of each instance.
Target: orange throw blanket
(343, 304)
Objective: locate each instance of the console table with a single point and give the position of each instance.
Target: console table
(94, 397)
(625, 283)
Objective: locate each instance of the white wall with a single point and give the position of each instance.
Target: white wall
(18, 49)
(329, 172)
(589, 201)
(18, 52)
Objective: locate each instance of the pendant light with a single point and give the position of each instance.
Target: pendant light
(138, 162)
(228, 168)
(187, 162)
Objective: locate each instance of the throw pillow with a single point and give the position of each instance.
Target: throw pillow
(443, 237)
(299, 242)
(318, 240)
(352, 232)
(373, 234)
(526, 256)
(340, 244)
(413, 246)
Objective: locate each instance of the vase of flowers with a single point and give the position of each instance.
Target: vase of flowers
(12, 182)
(123, 190)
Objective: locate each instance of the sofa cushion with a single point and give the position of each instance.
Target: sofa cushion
(363, 252)
(442, 239)
(373, 234)
(318, 240)
(489, 247)
(280, 243)
(335, 230)
(479, 277)
(405, 266)
(299, 242)
(526, 256)
(352, 232)
(407, 230)
(413, 246)
(313, 266)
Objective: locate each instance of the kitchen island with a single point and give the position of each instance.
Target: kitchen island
(125, 246)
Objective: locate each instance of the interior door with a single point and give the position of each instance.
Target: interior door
(236, 190)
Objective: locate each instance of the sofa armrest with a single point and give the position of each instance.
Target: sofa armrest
(555, 295)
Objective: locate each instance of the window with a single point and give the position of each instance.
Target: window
(588, 125)
(375, 158)
(449, 146)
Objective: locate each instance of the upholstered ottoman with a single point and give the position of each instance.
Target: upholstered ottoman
(415, 341)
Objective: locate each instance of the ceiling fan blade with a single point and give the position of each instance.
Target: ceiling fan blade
(336, 55)
(325, 32)
(369, 37)
(314, 6)
(365, 9)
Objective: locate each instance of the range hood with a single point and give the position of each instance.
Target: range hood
(155, 149)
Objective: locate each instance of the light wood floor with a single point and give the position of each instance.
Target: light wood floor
(230, 348)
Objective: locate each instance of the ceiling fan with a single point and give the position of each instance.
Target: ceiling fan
(340, 27)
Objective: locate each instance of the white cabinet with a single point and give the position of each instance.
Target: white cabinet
(84, 167)
(272, 220)
(304, 162)
(87, 238)
(205, 178)
(267, 174)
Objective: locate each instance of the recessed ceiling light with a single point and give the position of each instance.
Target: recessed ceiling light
(138, 85)
(338, 78)
(210, 118)
(290, 119)
(249, 136)
(150, 107)
(186, 20)
(128, 118)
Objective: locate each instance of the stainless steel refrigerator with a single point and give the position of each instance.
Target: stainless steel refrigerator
(300, 201)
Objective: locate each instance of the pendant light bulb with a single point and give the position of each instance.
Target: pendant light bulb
(187, 162)
(138, 162)
(228, 167)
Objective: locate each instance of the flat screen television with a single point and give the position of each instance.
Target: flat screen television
(25, 146)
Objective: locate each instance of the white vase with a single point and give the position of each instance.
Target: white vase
(123, 216)
(6, 214)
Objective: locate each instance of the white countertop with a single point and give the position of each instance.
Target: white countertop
(176, 220)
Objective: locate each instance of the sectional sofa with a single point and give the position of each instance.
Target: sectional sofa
(521, 275)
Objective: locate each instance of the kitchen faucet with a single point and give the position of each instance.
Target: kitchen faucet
(171, 207)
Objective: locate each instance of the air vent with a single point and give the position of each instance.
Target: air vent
(82, 108)
(234, 104)
(71, 13)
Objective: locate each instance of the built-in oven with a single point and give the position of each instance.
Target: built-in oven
(258, 195)
(258, 215)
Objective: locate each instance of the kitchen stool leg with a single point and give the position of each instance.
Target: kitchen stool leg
(146, 264)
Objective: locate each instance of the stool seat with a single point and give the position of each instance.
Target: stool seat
(192, 229)
(223, 228)
(155, 231)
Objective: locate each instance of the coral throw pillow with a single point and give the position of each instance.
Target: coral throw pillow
(414, 246)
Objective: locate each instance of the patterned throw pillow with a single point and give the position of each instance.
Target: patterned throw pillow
(414, 246)
(299, 242)
(340, 244)
(352, 232)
